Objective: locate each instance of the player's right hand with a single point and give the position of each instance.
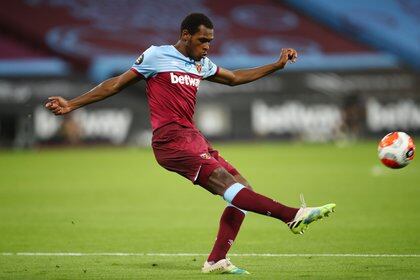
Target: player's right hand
(58, 105)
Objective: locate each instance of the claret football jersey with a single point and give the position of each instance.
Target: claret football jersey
(172, 81)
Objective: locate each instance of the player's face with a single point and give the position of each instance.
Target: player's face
(199, 43)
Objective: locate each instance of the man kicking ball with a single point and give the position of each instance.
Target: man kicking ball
(173, 74)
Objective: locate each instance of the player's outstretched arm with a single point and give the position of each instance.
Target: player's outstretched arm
(244, 76)
(60, 106)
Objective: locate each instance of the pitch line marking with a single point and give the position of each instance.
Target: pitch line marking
(200, 254)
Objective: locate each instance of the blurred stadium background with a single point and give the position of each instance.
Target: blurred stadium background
(357, 74)
(356, 79)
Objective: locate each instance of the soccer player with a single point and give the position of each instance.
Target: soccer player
(173, 74)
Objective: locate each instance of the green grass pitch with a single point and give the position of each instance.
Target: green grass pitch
(106, 200)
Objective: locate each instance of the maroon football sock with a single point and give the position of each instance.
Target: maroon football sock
(249, 200)
(230, 223)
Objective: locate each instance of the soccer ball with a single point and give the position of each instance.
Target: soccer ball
(396, 149)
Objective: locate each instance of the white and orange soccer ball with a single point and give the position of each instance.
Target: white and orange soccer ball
(396, 150)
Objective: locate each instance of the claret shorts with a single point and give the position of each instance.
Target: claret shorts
(186, 151)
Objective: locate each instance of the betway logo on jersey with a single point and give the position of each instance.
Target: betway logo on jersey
(185, 80)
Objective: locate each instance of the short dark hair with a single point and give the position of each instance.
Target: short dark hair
(193, 21)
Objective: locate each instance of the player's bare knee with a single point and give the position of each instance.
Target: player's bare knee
(224, 177)
(219, 181)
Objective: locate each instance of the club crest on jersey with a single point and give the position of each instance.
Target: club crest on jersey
(205, 156)
(198, 66)
(139, 60)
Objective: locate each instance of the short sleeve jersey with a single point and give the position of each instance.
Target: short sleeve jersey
(172, 81)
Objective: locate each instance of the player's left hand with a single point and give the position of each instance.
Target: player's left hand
(287, 55)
